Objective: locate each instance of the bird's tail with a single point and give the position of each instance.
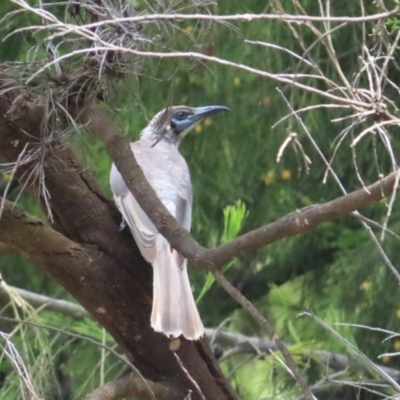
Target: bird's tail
(174, 309)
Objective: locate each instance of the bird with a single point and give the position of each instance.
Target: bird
(174, 311)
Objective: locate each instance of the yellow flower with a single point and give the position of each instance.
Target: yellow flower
(189, 29)
(236, 82)
(6, 177)
(366, 286)
(286, 175)
(266, 101)
(398, 313)
(396, 345)
(198, 128)
(269, 178)
(207, 122)
(385, 359)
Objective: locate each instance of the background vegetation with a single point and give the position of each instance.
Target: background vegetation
(334, 270)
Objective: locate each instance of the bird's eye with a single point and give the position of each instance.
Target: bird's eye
(181, 115)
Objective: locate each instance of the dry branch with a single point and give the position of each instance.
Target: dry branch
(32, 237)
(248, 17)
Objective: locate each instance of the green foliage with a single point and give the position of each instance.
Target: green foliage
(234, 218)
(334, 270)
(59, 353)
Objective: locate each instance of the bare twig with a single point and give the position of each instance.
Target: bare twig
(100, 44)
(182, 367)
(355, 351)
(19, 366)
(237, 17)
(257, 344)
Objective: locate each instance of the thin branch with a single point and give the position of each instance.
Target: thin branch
(375, 224)
(282, 78)
(101, 45)
(274, 46)
(237, 17)
(186, 372)
(27, 386)
(322, 384)
(258, 344)
(355, 351)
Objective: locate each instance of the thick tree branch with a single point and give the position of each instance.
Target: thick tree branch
(30, 236)
(4, 249)
(292, 224)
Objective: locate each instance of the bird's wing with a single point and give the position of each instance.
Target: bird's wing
(143, 230)
(171, 180)
(184, 199)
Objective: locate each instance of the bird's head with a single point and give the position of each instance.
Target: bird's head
(174, 123)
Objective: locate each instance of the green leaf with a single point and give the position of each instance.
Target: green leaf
(234, 218)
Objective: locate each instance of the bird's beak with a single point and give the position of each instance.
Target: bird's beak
(182, 127)
(202, 112)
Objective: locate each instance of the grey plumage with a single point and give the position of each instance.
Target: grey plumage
(174, 310)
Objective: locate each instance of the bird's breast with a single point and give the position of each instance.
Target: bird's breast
(164, 167)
